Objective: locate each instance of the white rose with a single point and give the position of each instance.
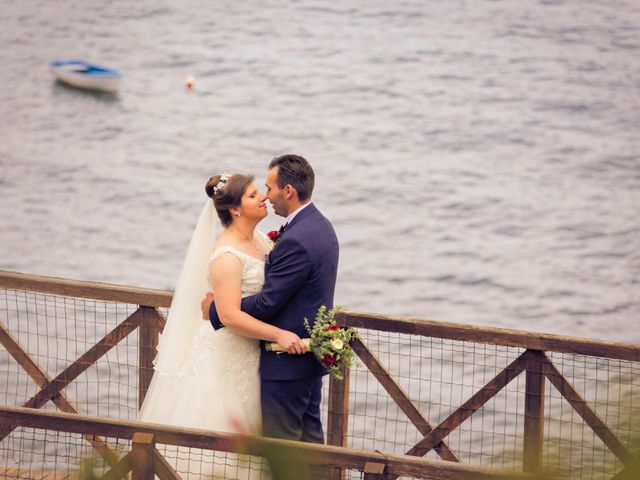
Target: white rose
(337, 344)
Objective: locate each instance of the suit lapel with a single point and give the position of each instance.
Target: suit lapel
(305, 212)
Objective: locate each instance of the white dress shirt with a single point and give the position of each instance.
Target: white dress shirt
(293, 214)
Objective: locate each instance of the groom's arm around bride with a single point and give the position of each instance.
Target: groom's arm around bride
(300, 276)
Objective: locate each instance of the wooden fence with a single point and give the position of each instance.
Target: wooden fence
(533, 361)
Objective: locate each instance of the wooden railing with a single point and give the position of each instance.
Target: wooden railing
(533, 361)
(144, 460)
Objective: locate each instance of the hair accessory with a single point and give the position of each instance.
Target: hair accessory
(223, 181)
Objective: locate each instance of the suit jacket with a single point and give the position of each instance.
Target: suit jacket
(300, 276)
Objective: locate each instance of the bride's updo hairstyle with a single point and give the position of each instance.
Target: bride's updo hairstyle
(227, 194)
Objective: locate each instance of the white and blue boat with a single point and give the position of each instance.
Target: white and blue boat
(81, 74)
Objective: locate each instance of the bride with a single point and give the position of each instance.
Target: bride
(206, 378)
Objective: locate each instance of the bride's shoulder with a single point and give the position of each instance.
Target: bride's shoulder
(220, 249)
(225, 265)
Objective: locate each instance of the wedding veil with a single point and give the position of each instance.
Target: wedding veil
(185, 316)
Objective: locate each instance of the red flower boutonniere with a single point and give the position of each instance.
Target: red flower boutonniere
(274, 235)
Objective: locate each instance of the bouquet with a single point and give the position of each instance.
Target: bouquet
(329, 342)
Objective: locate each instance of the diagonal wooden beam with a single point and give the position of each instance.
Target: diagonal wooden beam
(400, 397)
(583, 409)
(20, 355)
(87, 359)
(472, 405)
(120, 469)
(162, 468)
(42, 378)
(52, 388)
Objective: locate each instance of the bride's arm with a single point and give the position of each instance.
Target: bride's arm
(226, 279)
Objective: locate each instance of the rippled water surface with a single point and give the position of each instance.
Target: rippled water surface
(480, 160)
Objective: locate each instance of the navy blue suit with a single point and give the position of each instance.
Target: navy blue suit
(300, 276)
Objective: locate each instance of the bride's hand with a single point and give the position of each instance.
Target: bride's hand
(291, 342)
(205, 304)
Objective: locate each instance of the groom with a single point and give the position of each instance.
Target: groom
(300, 276)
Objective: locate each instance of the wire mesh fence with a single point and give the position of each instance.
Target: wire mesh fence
(70, 455)
(28, 452)
(437, 374)
(56, 331)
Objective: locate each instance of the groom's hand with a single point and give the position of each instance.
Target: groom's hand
(291, 343)
(205, 304)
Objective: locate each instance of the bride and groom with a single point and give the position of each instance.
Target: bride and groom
(217, 374)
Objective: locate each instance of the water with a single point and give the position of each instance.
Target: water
(480, 161)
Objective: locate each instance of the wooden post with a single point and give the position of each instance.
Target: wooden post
(533, 415)
(142, 447)
(373, 471)
(338, 421)
(147, 344)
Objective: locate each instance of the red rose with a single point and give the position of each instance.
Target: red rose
(332, 328)
(273, 235)
(329, 360)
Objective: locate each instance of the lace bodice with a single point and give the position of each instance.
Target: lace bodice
(252, 272)
(253, 268)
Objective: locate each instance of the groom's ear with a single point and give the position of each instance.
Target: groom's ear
(289, 191)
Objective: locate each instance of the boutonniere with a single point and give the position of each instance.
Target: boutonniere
(274, 235)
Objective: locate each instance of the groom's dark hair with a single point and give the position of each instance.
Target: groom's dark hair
(294, 170)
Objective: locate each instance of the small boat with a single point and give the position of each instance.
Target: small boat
(81, 74)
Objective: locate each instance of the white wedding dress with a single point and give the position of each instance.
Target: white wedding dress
(217, 388)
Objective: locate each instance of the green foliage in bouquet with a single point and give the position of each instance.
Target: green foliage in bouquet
(330, 343)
